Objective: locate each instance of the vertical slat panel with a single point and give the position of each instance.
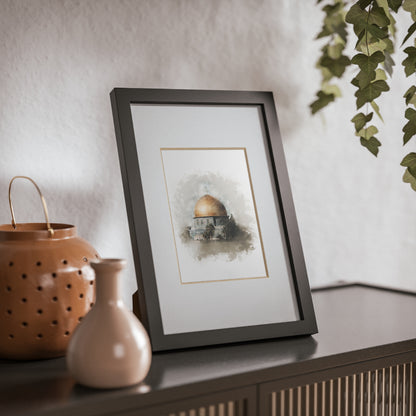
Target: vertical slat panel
(315, 399)
(340, 392)
(308, 400)
(391, 392)
(347, 396)
(398, 391)
(273, 404)
(202, 411)
(241, 408)
(300, 398)
(291, 402)
(404, 389)
(375, 393)
(227, 408)
(413, 389)
(230, 409)
(382, 392)
(354, 395)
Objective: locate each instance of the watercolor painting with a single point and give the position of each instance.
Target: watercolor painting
(212, 229)
(213, 214)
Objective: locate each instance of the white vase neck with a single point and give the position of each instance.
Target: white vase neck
(107, 276)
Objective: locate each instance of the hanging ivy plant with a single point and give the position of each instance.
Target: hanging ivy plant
(374, 29)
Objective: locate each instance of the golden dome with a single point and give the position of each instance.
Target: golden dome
(208, 206)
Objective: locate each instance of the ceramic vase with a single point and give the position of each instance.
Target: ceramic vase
(110, 348)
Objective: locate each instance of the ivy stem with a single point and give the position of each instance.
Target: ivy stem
(368, 54)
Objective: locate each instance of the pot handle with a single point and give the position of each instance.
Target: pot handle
(45, 209)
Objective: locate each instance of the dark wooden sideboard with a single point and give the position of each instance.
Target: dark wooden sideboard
(362, 362)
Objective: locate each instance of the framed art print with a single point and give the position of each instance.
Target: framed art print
(215, 240)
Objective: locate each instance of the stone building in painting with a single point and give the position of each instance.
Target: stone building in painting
(210, 220)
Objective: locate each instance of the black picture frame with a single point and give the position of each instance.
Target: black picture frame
(122, 100)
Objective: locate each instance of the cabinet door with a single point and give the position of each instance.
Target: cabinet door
(388, 391)
(239, 402)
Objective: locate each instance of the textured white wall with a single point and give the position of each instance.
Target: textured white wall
(60, 59)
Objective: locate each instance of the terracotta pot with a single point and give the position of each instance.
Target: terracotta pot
(110, 348)
(46, 287)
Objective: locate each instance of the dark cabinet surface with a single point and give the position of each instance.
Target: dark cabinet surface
(361, 329)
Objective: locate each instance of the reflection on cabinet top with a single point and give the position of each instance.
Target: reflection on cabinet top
(356, 323)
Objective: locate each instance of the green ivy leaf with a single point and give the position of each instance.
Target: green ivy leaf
(360, 120)
(392, 26)
(389, 45)
(364, 3)
(395, 4)
(380, 74)
(362, 79)
(373, 45)
(409, 161)
(408, 178)
(368, 132)
(370, 92)
(367, 65)
(334, 21)
(377, 110)
(377, 32)
(325, 73)
(371, 144)
(357, 17)
(388, 63)
(410, 32)
(410, 62)
(335, 66)
(410, 96)
(322, 101)
(409, 129)
(378, 17)
(335, 51)
(331, 9)
(331, 89)
(374, 21)
(323, 33)
(410, 6)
